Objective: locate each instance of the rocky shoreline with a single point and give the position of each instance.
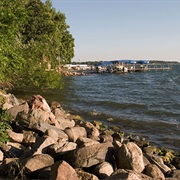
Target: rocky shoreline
(48, 143)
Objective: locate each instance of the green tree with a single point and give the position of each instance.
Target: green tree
(67, 52)
(12, 18)
(32, 35)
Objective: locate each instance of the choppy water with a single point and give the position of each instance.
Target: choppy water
(140, 103)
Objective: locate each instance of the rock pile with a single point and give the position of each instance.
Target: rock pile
(47, 143)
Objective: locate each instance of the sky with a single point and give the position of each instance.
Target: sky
(123, 29)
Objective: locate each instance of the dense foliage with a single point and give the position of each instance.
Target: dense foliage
(33, 36)
(5, 121)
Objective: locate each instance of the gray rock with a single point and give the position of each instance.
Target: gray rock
(90, 155)
(38, 162)
(34, 117)
(38, 115)
(103, 170)
(39, 126)
(158, 161)
(153, 171)
(54, 147)
(129, 156)
(43, 127)
(68, 146)
(84, 142)
(61, 170)
(65, 122)
(59, 149)
(75, 132)
(38, 102)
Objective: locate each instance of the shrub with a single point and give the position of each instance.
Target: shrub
(5, 121)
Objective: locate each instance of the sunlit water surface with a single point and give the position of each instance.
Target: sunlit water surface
(140, 103)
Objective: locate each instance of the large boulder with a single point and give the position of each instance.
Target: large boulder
(40, 127)
(61, 170)
(103, 170)
(90, 155)
(57, 150)
(34, 117)
(38, 102)
(43, 127)
(38, 162)
(39, 111)
(75, 132)
(129, 156)
(153, 171)
(158, 161)
(67, 146)
(38, 115)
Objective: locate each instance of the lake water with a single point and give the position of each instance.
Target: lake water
(140, 103)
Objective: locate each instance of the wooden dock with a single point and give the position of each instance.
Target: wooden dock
(159, 67)
(148, 67)
(118, 68)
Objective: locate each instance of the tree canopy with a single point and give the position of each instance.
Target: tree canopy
(32, 36)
